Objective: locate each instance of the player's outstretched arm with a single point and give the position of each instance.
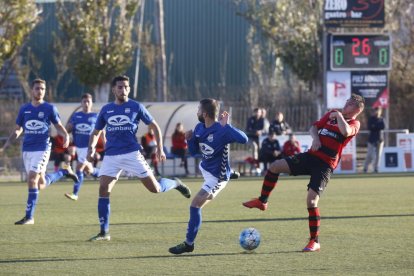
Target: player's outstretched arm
(235, 135)
(13, 136)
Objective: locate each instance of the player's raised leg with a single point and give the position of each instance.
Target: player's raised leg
(269, 183)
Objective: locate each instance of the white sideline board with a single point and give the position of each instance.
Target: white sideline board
(392, 160)
(406, 143)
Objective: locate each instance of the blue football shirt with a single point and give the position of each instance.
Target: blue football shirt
(36, 121)
(121, 125)
(83, 125)
(212, 143)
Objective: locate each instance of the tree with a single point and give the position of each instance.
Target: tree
(17, 19)
(295, 29)
(101, 31)
(400, 21)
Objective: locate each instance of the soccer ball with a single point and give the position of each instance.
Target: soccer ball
(249, 238)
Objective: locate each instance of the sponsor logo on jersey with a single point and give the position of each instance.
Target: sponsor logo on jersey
(41, 115)
(120, 123)
(127, 110)
(118, 120)
(34, 125)
(327, 132)
(210, 138)
(206, 150)
(83, 128)
(27, 112)
(110, 111)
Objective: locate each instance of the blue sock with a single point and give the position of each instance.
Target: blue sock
(104, 211)
(77, 185)
(53, 177)
(32, 198)
(193, 224)
(95, 172)
(167, 184)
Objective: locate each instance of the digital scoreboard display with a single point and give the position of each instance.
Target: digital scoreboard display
(350, 52)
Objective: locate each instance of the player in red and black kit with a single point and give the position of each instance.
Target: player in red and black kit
(330, 135)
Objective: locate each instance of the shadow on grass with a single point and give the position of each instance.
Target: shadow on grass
(269, 219)
(41, 260)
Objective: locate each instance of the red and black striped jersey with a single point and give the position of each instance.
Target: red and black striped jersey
(332, 140)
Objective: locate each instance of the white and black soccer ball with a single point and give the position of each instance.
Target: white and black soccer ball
(249, 238)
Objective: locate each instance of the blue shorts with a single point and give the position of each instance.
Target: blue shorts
(307, 164)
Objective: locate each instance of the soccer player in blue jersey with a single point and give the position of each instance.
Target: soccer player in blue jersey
(122, 150)
(81, 124)
(34, 119)
(212, 138)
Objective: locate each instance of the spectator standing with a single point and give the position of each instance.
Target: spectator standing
(375, 144)
(279, 125)
(254, 129)
(179, 145)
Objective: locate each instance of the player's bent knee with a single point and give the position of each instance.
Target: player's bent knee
(279, 166)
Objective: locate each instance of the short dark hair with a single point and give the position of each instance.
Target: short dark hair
(211, 107)
(86, 96)
(119, 78)
(38, 80)
(359, 100)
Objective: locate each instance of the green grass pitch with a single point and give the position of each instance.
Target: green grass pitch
(367, 228)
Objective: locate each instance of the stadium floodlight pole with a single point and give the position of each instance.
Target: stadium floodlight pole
(138, 52)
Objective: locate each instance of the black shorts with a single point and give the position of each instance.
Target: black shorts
(307, 164)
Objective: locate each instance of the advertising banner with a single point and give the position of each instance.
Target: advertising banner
(373, 86)
(353, 13)
(406, 143)
(338, 88)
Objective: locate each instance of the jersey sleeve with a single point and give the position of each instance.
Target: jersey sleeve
(100, 121)
(193, 146)
(146, 117)
(72, 119)
(235, 135)
(322, 121)
(355, 125)
(54, 117)
(20, 117)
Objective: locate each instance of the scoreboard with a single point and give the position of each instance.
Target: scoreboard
(356, 52)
